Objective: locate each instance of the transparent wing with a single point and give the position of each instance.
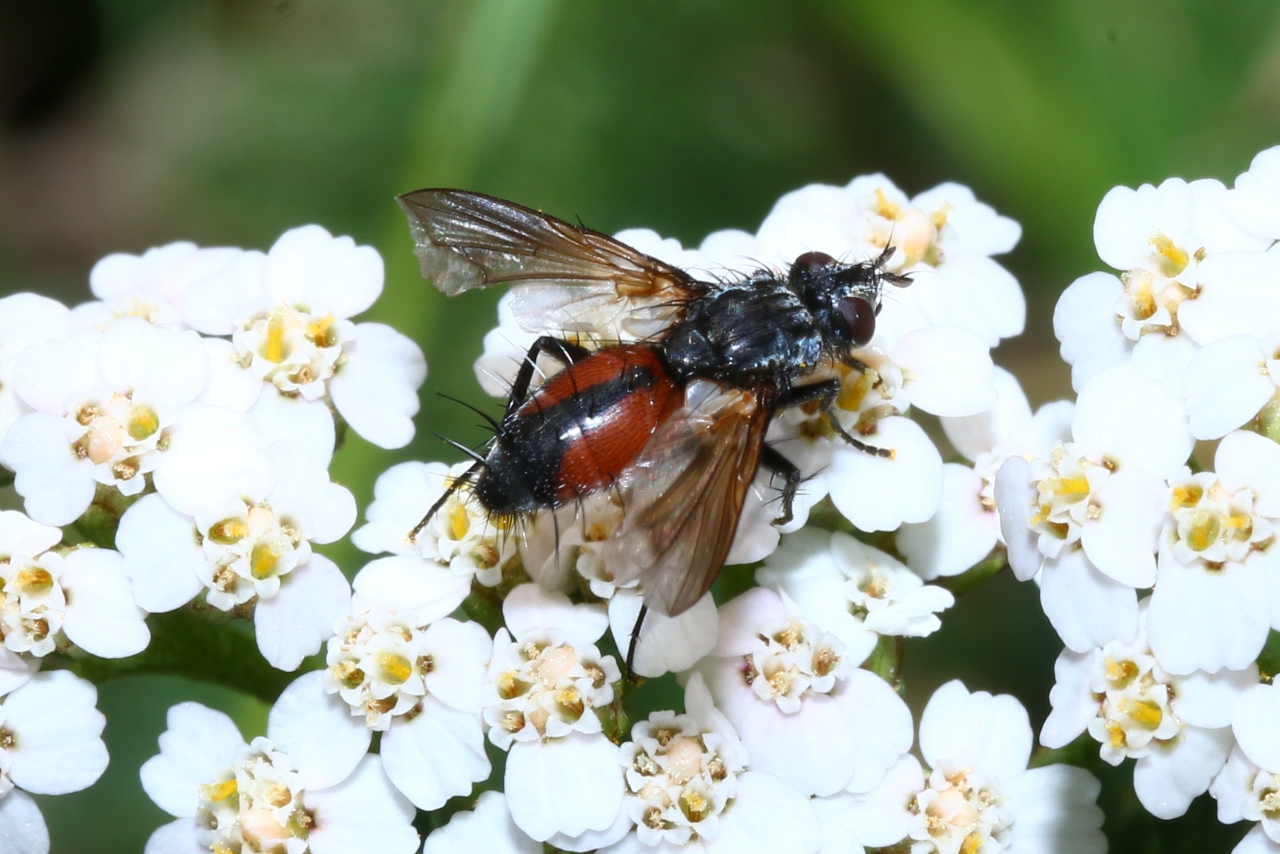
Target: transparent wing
(684, 495)
(564, 278)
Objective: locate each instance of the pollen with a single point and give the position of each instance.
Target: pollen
(143, 422)
(263, 561)
(886, 208)
(1188, 495)
(397, 668)
(1120, 673)
(1175, 260)
(348, 673)
(694, 806)
(218, 791)
(571, 701)
(1205, 529)
(320, 331)
(229, 531)
(273, 348)
(1144, 713)
(459, 521)
(972, 843)
(125, 469)
(34, 581)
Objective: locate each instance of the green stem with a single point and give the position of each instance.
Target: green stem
(1083, 753)
(885, 661)
(976, 575)
(207, 646)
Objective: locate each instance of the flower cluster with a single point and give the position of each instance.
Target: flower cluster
(1180, 346)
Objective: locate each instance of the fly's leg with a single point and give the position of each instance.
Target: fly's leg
(635, 638)
(462, 480)
(825, 393)
(562, 351)
(791, 477)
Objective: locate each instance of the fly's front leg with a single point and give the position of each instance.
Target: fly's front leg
(564, 352)
(462, 480)
(825, 394)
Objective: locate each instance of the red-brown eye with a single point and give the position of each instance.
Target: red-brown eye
(813, 262)
(860, 317)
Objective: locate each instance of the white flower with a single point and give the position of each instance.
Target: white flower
(1211, 604)
(288, 313)
(1102, 490)
(104, 407)
(1249, 784)
(148, 286)
(1175, 726)
(852, 590)
(284, 792)
(417, 683)
(1252, 204)
(803, 711)
(690, 787)
(487, 828)
(461, 536)
(546, 681)
(78, 593)
(253, 545)
(978, 794)
(966, 527)
(1182, 262)
(25, 320)
(50, 744)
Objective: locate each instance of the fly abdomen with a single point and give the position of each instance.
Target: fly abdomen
(579, 431)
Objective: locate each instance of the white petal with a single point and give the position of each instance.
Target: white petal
(1133, 421)
(176, 837)
(58, 487)
(1237, 297)
(767, 815)
(1054, 810)
(460, 652)
(1071, 698)
(317, 731)
(19, 535)
(883, 815)
(307, 421)
(102, 618)
(308, 266)
(376, 390)
(1085, 607)
(1164, 358)
(15, 670)
(199, 745)
(22, 827)
(435, 756)
(959, 535)
(1180, 769)
(229, 384)
(1207, 619)
(567, 785)
(324, 511)
(162, 556)
(950, 371)
(58, 732)
(213, 452)
(1015, 497)
(410, 583)
(295, 622)
(164, 367)
(1225, 385)
(488, 828)
(53, 376)
(1084, 320)
(880, 493)
(1120, 541)
(1247, 460)
(1209, 699)
(529, 610)
(1256, 841)
(1254, 722)
(1008, 417)
(978, 730)
(214, 306)
(741, 619)
(666, 644)
(364, 813)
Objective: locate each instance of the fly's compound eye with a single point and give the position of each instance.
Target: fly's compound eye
(813, 262)
(860, 316)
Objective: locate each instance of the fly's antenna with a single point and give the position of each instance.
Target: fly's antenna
(461, 481)
(461, 447)
(486, 416)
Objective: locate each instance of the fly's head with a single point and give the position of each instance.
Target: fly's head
(844, 299)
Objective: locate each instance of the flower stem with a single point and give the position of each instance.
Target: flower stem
(207, 646)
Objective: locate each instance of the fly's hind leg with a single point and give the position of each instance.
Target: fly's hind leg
(461, 481)
(791, 475)
(562, 351)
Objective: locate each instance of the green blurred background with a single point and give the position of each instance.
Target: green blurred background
(131, 123)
